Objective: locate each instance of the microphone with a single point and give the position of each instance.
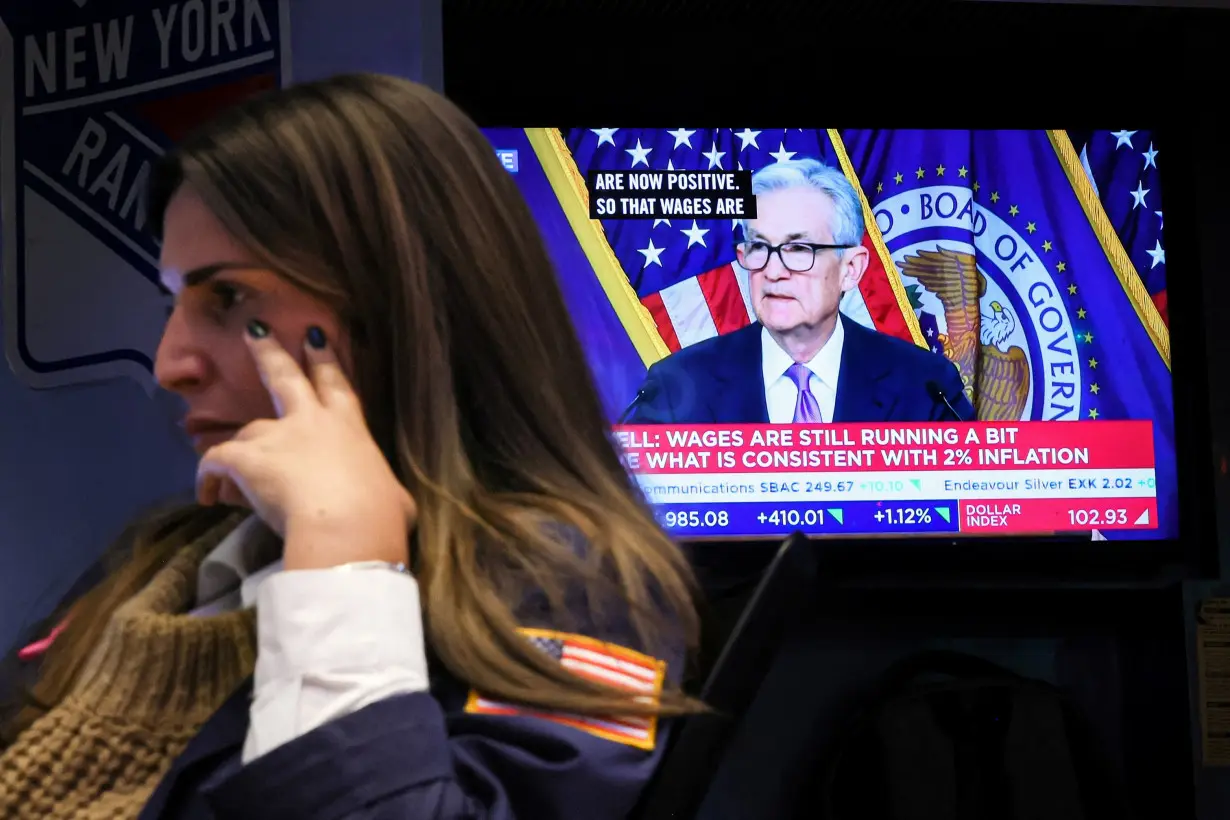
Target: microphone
(938, 394)
(648, 390)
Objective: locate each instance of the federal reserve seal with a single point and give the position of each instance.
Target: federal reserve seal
(999, 313)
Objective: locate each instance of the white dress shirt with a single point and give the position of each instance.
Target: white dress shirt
(329, 641)
(780, 392)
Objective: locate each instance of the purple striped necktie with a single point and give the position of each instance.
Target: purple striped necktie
(806, 409)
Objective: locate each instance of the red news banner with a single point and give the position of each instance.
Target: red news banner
(1027, 475)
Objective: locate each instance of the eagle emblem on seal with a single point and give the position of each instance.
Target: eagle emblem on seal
(996, 375)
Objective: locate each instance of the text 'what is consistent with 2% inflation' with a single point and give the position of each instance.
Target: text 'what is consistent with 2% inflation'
(903, 478)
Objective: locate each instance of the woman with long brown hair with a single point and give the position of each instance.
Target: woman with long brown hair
(418, 581)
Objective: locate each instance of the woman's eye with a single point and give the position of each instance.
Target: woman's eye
(226, 296)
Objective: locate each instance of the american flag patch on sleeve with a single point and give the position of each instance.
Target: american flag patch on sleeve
(602, 662)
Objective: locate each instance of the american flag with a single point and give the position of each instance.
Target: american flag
(1123, 167)
(684, 270)
(597, 661)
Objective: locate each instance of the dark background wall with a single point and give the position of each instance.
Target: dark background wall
(1118, 633)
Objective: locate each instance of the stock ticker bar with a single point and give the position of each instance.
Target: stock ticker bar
(861, 479)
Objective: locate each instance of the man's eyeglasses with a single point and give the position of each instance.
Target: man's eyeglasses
(797, 257)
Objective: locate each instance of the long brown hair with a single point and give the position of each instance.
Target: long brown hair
(382, 198)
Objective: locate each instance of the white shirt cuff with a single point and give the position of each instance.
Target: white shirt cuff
(330, 642)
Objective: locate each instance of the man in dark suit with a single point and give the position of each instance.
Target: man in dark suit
(801, 361)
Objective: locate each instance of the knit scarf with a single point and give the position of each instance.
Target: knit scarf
(153, 681)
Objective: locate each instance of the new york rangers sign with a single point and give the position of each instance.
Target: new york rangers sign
(93, 92)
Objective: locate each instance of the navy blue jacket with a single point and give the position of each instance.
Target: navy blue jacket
(410, 757)
(720, 381)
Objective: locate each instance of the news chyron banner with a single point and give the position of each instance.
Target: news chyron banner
(860, 479)
(96, 91)
(1013, 278)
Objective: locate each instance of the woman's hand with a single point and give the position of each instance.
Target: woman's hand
(314, 474)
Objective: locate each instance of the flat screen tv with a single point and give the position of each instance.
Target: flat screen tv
(856, 332)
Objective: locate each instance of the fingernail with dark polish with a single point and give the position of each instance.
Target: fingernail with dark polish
(316, 337)
(258, 329)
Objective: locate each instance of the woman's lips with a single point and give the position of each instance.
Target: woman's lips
(206, 433)
(203, 441)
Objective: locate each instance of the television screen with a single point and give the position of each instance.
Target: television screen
(870, 332)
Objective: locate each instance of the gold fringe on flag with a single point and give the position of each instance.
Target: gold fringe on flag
(1112, 246)
(569, 186)
(877, 239)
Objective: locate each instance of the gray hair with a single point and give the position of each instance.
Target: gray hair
(847, 226)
